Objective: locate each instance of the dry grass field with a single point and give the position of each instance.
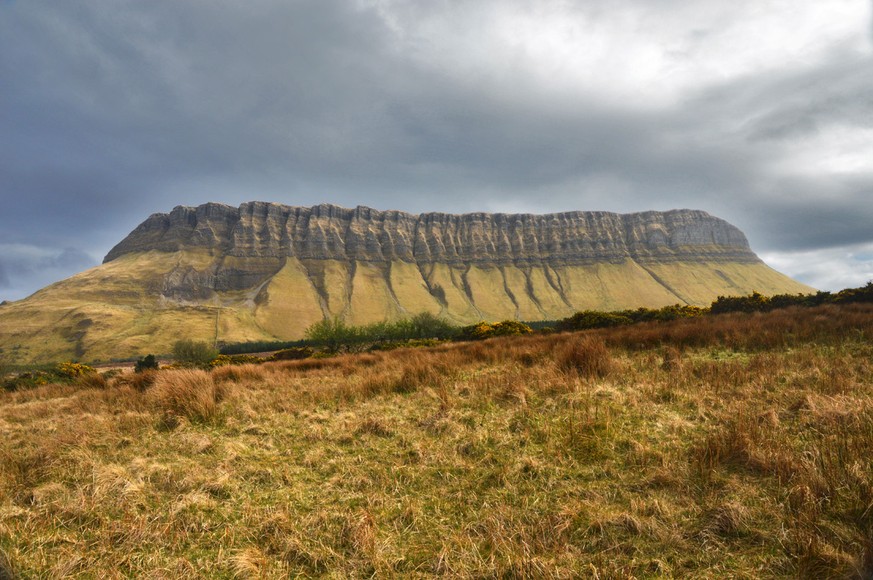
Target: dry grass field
(732, 446)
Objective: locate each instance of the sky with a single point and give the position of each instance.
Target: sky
(757, 111)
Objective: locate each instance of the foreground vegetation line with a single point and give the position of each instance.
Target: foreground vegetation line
(716, 446)
(334, 335)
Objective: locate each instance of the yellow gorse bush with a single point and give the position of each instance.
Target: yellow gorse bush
(234, 359)
(74, 370)
(483, 330)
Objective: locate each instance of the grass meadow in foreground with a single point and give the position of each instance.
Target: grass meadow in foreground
(736, 446)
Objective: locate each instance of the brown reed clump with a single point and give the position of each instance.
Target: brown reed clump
(238, 373)
(92, 381)
(6, 570)
(187, 393)
(139, 381)
(586, 357)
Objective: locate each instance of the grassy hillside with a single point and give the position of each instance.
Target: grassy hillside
(141, 303)
(726, 446)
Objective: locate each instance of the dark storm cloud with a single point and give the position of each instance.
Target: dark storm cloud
(113, 111)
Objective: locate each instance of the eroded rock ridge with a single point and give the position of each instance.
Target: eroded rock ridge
(329, 232)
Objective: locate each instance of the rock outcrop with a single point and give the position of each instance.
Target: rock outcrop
(328, 232)
(266, 271)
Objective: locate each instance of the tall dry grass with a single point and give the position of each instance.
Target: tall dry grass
(568, 455)
(587, 357)
(189, 393)
(6, 570)
(749, 331)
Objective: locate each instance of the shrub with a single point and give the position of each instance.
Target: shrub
(187, 393)
(754, 302)
(148, 362)
(483, 330)
(235, 359)
(511, 328)
(593, 319)
(191, 353)
(333, 334)
(294, 353)
(258, 346)
(863, 294)
(587, 358)
(425, 326)
(70, 370)
(674, 312)
(588, 319)
(28, 380)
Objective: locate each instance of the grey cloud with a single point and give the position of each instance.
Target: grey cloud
(116, 111)
(16, 260)
(813, 214)
(24, 268)
(800, 104)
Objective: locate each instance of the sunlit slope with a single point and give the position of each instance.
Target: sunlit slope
(131, 305)
(698, 283)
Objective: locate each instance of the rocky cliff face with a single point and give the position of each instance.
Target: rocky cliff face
(328, 232)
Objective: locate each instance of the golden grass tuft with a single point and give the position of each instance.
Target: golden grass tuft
(728, 519)
(7, 572)
(91, 381)
(249, 563)
(586, 357)
(373, 426)
(238, 373)
(192, 394)
(139, 381)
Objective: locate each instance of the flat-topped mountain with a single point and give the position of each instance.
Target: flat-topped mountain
(266, 271)
(328, 232)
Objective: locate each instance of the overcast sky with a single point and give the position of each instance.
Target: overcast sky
(757, 111)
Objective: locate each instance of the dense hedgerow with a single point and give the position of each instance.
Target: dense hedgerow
(234, 359)
(334, 335)
(754, 302)
(193, 353)
(588, 319)
(259, 346)
(483, 330)
(293, 353)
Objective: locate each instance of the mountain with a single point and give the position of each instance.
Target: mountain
(266, 271)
